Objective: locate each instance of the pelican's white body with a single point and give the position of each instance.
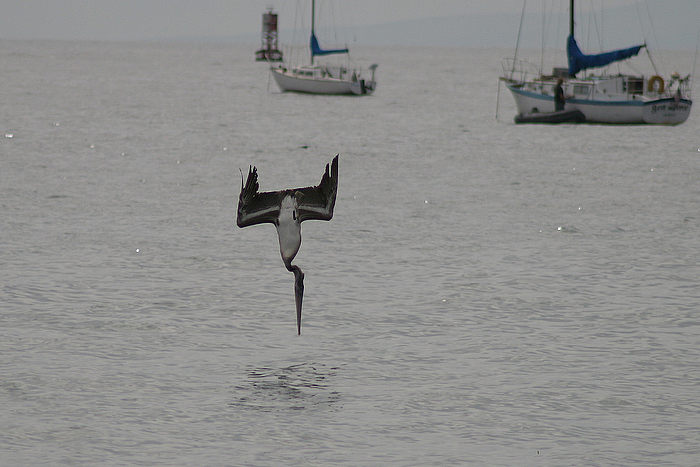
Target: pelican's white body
(289, 228)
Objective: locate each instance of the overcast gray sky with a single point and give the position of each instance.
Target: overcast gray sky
(144, 19)
(167, 19)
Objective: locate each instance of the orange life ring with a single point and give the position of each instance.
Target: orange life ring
(651, 84)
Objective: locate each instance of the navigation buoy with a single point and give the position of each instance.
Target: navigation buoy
(269, 51)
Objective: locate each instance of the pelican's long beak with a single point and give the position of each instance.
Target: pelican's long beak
(299, 296)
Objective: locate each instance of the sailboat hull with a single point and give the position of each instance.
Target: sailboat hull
(662, 111)
(314, 83)
(667, 111)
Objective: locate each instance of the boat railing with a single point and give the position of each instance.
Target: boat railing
(518, 71)
(655, 86)
(682, 85)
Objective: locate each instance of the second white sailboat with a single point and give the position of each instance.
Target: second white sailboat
(317, 78)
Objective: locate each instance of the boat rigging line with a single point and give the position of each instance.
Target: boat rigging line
(644, 36)
(517, 42)
(695, 62)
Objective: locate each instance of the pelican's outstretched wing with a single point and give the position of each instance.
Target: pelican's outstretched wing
(317, 202)
(257, 208)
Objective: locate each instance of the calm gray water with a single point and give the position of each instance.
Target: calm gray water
(486, 294)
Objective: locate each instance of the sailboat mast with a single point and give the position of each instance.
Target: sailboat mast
(313, 13)
(571, 18)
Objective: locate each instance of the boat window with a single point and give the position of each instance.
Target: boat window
(634, 86)
(583, 89)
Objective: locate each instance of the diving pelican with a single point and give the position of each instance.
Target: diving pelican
(287, 209)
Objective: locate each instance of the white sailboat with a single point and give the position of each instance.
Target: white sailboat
(315, 78)
(619, 98)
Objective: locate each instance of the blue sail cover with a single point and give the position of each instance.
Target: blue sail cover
(579, 61)
(317, 50)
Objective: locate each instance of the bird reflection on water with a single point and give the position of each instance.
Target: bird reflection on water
(296, 387)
